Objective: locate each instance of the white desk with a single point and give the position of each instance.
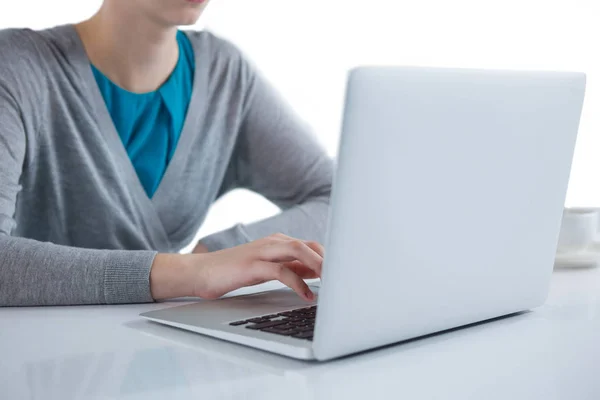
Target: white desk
(109, 353)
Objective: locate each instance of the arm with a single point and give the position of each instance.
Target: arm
(36, 273)
(277, 157)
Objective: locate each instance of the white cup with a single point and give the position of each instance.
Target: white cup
(578, 230)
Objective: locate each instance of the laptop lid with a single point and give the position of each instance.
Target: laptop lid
(447, 201)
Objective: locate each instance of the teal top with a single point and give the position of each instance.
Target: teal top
(150, 124)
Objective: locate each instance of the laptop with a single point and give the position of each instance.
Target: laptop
(445, 211)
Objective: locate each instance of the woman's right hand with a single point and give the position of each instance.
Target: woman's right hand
(211, 275)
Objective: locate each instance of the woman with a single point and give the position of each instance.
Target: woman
(117, 134)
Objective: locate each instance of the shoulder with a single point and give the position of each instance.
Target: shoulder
(20, 65)
(20, 49)
(15, 39)
(25, 58)
(23, 62)
(26, 50)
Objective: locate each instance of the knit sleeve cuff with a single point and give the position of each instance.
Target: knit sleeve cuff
(127, 277)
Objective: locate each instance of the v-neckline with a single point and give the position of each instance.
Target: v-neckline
(177, 162)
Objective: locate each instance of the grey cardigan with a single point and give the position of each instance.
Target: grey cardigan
(76, 226)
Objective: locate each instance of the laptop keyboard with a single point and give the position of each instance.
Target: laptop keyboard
(299, 323)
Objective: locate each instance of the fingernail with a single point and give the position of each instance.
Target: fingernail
(310, 295)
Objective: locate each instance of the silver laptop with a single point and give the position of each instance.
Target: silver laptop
(446, 210)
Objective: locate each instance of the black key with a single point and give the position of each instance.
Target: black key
(285, 332)
(286, 314)
(285, 327)
(306, 309)
(270, 330)
(304, 335)
(288, 332)
(238, 323)
(270, 316)
(308, 315)
(257, 320)
(267, 324)
(306, 329)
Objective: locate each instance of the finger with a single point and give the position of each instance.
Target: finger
(275, 271)
(301, 270)
(295, 250)
(316, 246)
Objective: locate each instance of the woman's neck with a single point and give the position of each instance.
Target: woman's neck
(132, 51)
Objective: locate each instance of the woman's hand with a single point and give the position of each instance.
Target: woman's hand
(212, 275)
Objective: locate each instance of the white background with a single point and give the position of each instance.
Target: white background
(305, 49)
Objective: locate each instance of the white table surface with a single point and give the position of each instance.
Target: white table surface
(108, 352)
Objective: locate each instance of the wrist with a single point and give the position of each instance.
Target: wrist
(171, 276)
